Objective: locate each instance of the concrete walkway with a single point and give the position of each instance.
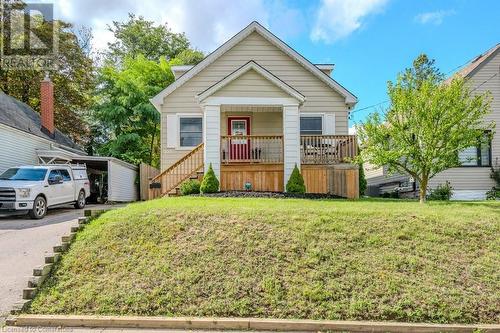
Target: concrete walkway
(23, 245)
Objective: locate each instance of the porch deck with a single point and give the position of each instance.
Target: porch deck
(258, 160)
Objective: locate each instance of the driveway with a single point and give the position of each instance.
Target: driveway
(24, 244)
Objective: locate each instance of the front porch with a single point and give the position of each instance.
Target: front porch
(257, 161)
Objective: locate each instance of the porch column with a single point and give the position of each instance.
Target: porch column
(291, 139)
(211, 137)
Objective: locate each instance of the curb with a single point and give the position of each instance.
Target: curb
(187, 323)
(40, 273)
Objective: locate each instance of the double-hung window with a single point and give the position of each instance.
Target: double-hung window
(478, 155)
(190, 131)
(311, 125)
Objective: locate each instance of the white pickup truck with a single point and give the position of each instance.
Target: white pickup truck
(35, 188)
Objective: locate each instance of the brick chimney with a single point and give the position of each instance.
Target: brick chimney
(47, 105)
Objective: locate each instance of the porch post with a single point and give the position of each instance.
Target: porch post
(291, 139)
(211, 137)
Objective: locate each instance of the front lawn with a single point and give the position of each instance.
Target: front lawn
(285, 258)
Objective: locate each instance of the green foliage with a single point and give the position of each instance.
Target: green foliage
(138, 36)
(442, 192)
(362, 180)
(274, 258)
(428, 122)
(494, 193)
(295, 183)
(74, 78)
(124, 109)
(136, 68)
(191, 186)
(210, 183)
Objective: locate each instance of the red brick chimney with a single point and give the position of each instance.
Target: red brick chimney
(47, 105)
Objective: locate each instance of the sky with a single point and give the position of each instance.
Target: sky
(369, 41)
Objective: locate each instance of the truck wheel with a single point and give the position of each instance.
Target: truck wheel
(39, 209)
(80, 202)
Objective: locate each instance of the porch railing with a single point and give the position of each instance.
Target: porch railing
(327, 149)
(252, 149)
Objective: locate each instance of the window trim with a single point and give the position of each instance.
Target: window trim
(313, 115)
(478, 154)
(187, 115)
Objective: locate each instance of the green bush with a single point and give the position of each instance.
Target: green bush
(362, 180)
(296, 183)
(442, 192)
(493, 194)
(210, 183)
(390, 195)
(191, 186)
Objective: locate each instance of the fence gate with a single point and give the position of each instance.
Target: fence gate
(146, 173)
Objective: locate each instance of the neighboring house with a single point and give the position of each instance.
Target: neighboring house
(253, 109)
(471, 180)
(29, 138)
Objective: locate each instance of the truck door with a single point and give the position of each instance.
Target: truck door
(68, 186)
(54, 188)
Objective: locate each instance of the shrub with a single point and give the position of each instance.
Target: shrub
(362, 180)
(191, 186)
(442, 192)
(493, 194)
(210, 183)
(391, 195)
(296, 183)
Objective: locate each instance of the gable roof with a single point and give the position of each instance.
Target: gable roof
(477, 62)
(157, 101)
(251, 65)
(16, 114)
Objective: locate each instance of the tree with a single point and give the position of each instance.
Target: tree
(139, 36)
(74, 77)
(295, 183)
(136, 68)
(427, 124)
(123, 108)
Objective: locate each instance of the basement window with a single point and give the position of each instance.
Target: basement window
(191, 131)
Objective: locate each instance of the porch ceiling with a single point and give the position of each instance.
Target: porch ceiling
(250, 108)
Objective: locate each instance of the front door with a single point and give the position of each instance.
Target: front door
(239, 148)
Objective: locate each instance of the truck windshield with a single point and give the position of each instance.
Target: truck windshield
(24, 174)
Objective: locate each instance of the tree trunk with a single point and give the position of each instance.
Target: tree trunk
(423, 188)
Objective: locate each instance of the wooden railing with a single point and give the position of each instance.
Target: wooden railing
(251, 149)
(181, 170)
(327, 149)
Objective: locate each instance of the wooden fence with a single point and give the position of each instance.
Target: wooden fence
(146, 173)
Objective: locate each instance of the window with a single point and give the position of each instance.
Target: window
(479, 155)
(53, 174)
(24, 174)
(190, 131)
(311, 125)
(65, 175)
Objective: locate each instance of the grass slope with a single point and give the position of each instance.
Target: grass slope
(375, 260)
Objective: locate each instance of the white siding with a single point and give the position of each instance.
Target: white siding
(18, 148)
(319, 97)
(122, 185)
(478, 178)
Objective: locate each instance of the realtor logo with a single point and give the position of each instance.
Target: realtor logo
(28, 36)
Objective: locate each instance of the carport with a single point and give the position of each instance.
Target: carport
(111, 179)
